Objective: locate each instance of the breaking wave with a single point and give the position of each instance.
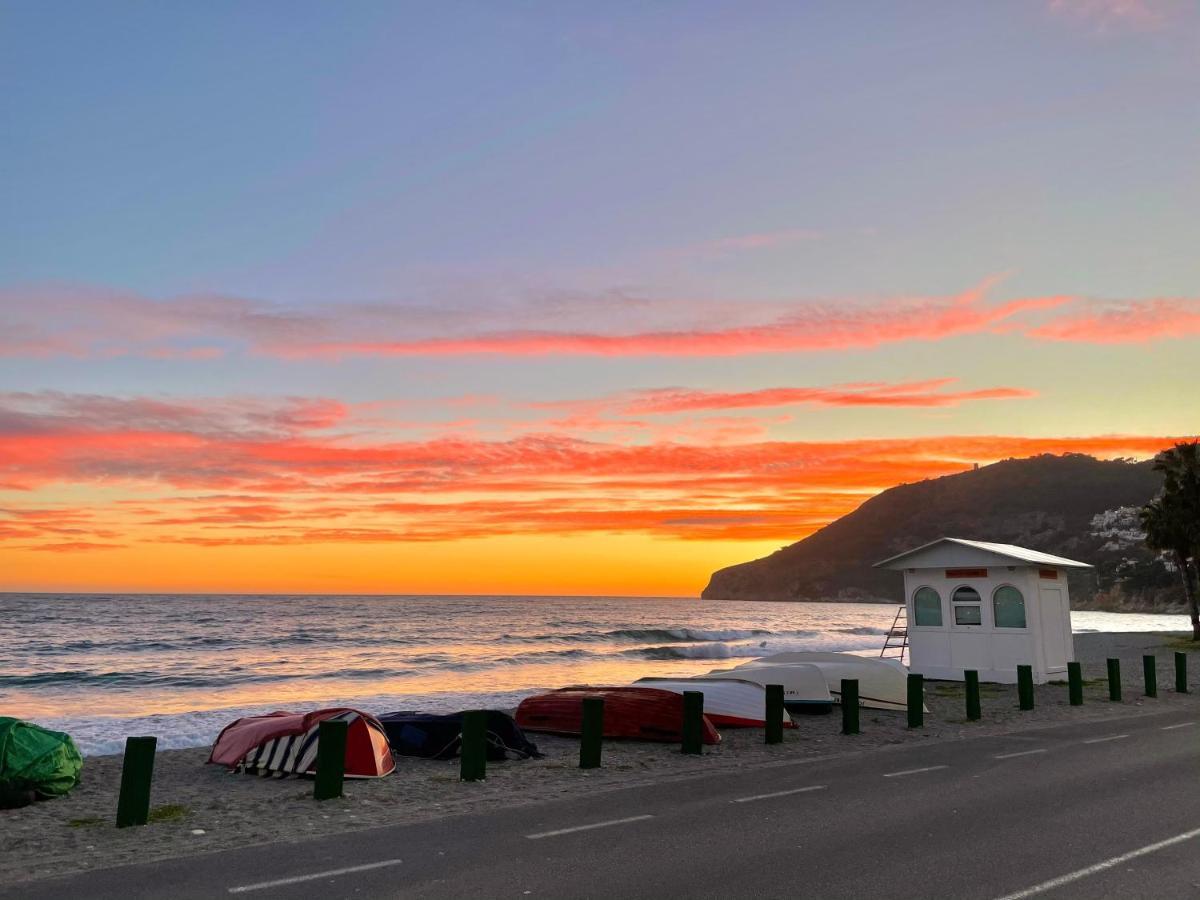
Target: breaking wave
(862, 629)
(678, 634)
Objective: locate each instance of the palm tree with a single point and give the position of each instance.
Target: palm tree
(1166, 532)
(1181, 480)
(1172, 520)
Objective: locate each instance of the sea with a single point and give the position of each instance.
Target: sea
(181, 666)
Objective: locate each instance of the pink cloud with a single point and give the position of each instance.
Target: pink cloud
(47, 412)
(1126, 323)
(297, 456)
(810, 328)
(921, 393)
(1107, 15)
(100, 324)
(763, 240)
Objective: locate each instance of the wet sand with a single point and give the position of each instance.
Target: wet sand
(198, 808)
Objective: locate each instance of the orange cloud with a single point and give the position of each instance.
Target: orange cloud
(73, 547)
(535, 485)
(264, 474)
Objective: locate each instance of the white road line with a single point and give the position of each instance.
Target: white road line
(1019, 753)
(914, 771)
(1180, 725)
(297, 879)
(1111, 737)
(803, 790)
(546, 834)
(1101, 866)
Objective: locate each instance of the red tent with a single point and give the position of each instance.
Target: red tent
(284, 743)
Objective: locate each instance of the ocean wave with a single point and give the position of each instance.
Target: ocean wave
(522, 659)
(748, 650)
(692, 651)
(666, 634)
(862, 629)
(201, 642)
(146, 679)
(683, 634)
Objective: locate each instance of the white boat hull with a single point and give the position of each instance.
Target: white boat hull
(805, 689)
(729, 702)
(882, 684)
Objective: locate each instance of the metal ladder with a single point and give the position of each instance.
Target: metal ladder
(897, 636)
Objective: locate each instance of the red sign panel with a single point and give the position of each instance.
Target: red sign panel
(1048, 574)
(966, 573)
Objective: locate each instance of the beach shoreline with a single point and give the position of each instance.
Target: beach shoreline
(203, 808)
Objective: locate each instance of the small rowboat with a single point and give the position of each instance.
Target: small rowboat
(805, 690)
(882, 684)
(728, 701)
(640, 713)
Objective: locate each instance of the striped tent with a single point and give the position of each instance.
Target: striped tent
(283, 743)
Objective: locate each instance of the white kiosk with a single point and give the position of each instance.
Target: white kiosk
(988, 607)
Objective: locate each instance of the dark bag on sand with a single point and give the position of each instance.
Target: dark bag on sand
(440, 737)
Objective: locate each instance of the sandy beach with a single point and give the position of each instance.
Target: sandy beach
(198, 808)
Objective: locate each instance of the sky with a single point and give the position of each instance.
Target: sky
(538, 298)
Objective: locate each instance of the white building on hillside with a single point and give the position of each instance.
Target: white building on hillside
(988, 607)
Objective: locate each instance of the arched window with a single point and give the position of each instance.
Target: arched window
(927, 607)
(1009, 607)
(967, 610)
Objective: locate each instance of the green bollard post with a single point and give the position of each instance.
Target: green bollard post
(592, 733)
(331, 760)
(850, 706)
(971, 677)
(1025, 687)
(137, 770)
(473, 766)
(1150, 670)
(1075, 683)
(916, 700)
(693, 722)
(1114, 680)
(775, 714)
(1181, 673)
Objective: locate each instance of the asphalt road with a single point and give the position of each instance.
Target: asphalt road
(1104, 809)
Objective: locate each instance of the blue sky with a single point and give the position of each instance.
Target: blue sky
(315, 153)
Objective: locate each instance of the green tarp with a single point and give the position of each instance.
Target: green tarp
(35, 759)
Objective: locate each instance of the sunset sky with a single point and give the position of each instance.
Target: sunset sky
(579, 298)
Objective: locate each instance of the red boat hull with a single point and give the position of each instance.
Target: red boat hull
(636, 713)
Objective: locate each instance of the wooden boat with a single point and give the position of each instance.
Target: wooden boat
(728, 702)
(639, 713)
(805, 690)
(882, 684)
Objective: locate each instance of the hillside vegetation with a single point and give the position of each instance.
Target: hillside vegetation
(1072, 505)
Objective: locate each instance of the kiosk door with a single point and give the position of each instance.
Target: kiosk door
(1053, 614)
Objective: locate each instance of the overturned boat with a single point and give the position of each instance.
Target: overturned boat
(434, 736)
(882, 683)
(640, 713)
(279, 744)
(805, 690)
(729, 702)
